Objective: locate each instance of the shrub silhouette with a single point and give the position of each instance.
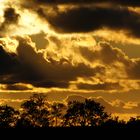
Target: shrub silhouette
(114, 123)
(133, 123)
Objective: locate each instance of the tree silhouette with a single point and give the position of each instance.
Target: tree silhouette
(73, 114)
(89, 113)
(8, 116)
(57, 111)
(34, 112)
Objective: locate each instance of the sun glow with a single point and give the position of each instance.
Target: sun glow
(2, 1)
(1, 7)
(29, 24)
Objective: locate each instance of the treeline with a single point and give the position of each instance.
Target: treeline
(37, 112)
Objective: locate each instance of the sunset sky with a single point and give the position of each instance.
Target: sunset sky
(71, 49)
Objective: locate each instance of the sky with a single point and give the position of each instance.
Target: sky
(71, 50)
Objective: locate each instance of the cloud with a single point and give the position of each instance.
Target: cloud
(114, 57)
(132, 3)
(87, 19)
(17, 87)
(29, 66)
(40, 40)
(11, 17)
(133, 70)
(101, 67)
(64, 16)
(100, 86)
(104, 53)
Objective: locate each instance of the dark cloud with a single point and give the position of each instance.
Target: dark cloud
(134, 3)
(17, 87)
(8, 62)
(29, 66)
(86, 19)
(11, 17)
(103, 86)
(89, 15)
